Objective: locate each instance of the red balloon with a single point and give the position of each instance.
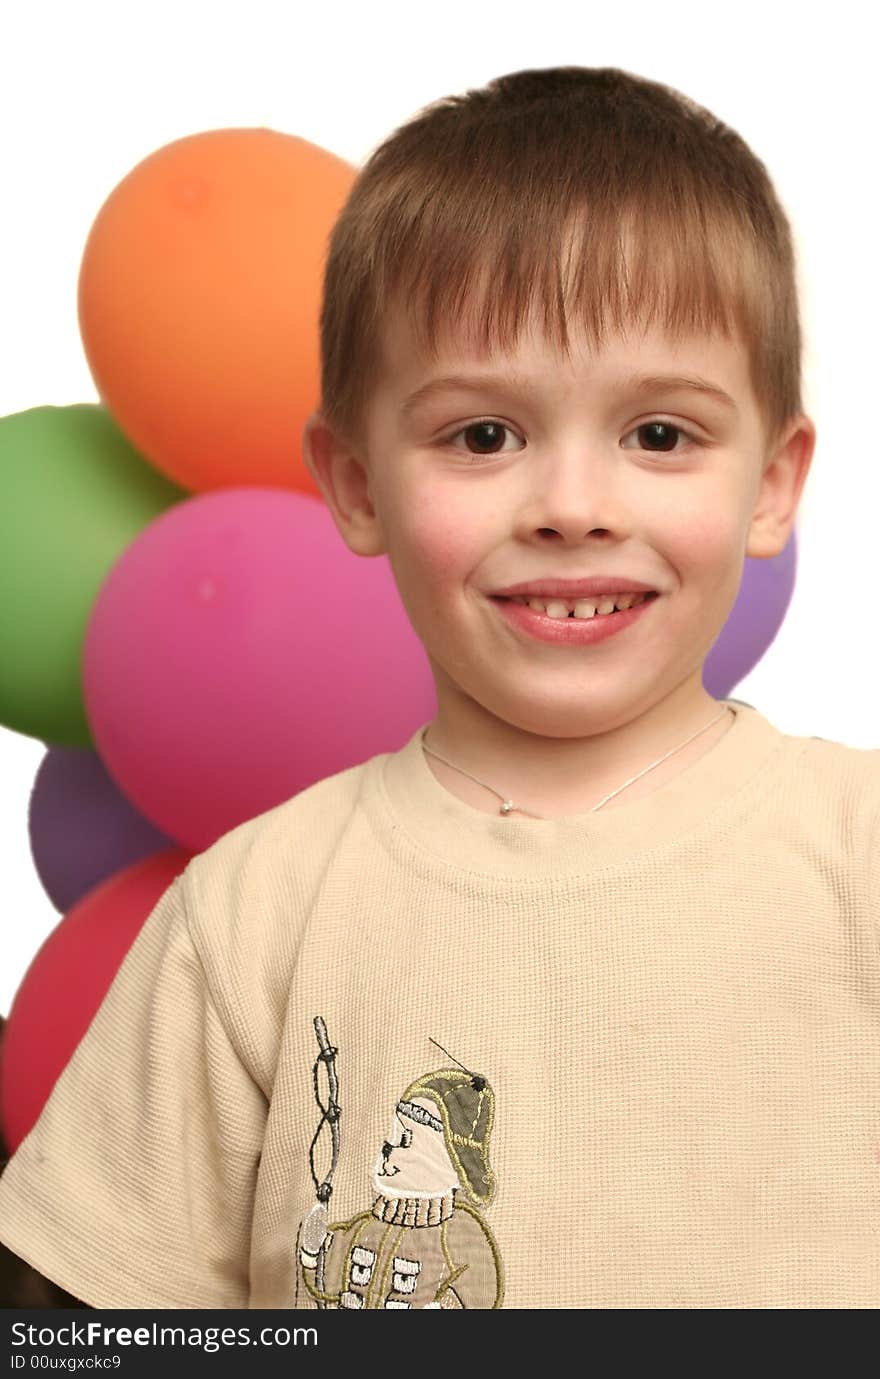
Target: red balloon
(67, 981)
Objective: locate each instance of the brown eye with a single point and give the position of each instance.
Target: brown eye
(483, 439)
(661, 437)
(488, 435)
(660, 434)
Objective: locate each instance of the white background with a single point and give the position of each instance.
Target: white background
(89, 90)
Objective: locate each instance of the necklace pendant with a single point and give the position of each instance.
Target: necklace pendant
(506, 807)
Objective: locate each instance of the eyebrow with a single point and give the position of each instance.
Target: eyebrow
(636, 383)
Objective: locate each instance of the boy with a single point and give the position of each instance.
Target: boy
(431, 1034)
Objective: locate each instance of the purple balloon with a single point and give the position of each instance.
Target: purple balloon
(82, 828)
(754, 620)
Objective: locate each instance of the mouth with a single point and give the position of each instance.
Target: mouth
(595, 601)
(572, 626)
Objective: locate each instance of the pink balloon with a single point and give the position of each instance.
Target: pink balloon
(66, 983)
(238, 652)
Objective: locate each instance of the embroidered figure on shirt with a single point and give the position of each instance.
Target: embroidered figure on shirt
(423, 1242)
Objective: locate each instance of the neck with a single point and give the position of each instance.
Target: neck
(553, 777)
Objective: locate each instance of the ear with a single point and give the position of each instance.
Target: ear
(344, 482)
(782, 481)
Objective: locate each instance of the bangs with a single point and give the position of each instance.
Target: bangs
(594, 270)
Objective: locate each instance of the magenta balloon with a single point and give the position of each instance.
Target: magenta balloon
(754, 620)
(82, 829)
(238, 652)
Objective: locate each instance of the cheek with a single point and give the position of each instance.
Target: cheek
(441, 551)
(705, 539)
(441, 527)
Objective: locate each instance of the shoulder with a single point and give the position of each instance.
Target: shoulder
(292, 839)
(249, 894)
(813, 776)
(834, 792)
(848, 776)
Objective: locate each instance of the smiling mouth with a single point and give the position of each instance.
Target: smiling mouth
(594, 601)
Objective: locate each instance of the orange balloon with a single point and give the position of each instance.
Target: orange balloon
(199, 298)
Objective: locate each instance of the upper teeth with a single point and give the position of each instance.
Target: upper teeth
(583, 608)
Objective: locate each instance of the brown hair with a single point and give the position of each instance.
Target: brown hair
(465, 215)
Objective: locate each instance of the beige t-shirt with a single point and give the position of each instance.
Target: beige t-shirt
(662, 1080)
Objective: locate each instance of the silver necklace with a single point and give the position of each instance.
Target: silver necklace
(507, 805)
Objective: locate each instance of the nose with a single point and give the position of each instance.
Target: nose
(575, 496)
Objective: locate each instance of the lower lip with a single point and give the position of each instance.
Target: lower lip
(570, 631)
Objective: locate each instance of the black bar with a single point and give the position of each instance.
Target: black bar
(148, 1342)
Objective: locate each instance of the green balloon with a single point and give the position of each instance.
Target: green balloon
(74, 493)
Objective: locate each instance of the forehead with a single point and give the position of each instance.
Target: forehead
(541, 367)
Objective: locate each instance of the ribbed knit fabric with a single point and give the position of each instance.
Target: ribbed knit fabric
(662, 1087)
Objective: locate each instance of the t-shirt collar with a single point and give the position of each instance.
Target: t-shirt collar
(427, 816)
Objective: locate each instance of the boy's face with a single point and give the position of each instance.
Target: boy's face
(570, 481)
